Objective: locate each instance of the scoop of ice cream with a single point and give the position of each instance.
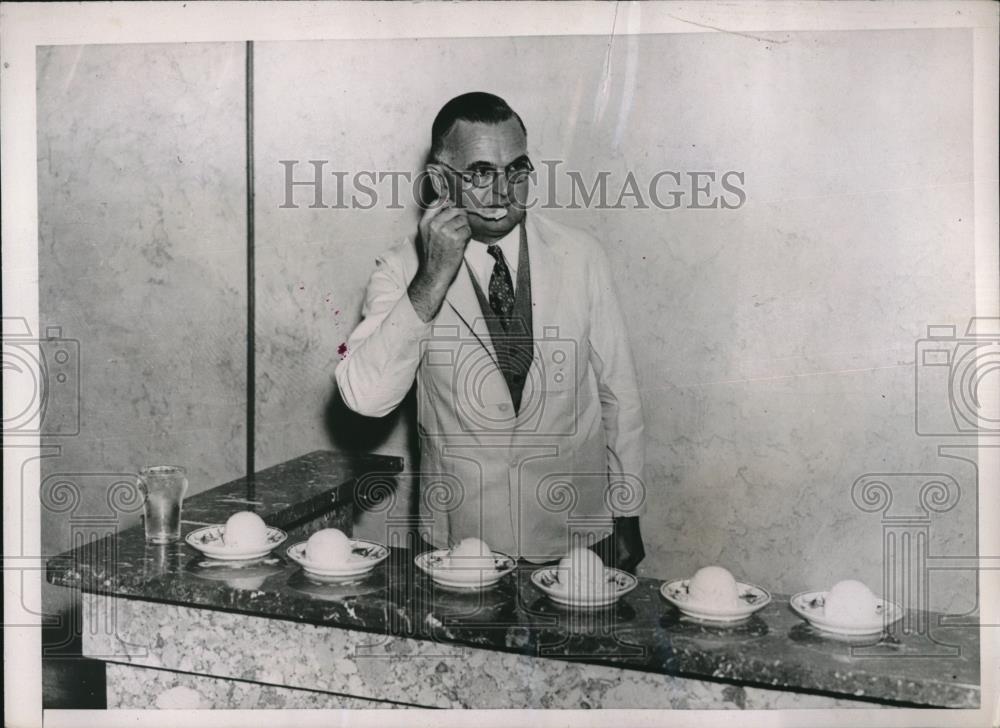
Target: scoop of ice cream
(471, 553)
(328, 548)
(850, 601)
(245, 529)
(715, 586)
(581, 570)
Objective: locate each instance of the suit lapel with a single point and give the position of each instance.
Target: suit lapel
(463, 300)
(546, 284)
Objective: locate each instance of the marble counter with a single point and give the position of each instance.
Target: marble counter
(310, 492)
(398, 637)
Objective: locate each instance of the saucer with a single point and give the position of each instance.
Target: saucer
(438, 565)
(809, 606)
(365, 556)
(751, 599)
(209, 541)
(215, 570)
(617, 584)
(335, 591)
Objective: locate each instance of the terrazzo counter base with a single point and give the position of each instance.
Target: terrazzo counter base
(172, 656)
(141, 688)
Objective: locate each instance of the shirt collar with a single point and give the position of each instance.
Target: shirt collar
(510, 244)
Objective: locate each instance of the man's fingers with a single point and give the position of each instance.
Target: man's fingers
(447, 217)
(450, 226)
(454, 222)
(457, 229)
(435, 210)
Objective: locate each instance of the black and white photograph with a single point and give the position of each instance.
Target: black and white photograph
(548, 363)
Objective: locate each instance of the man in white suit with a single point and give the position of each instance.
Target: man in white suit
(530, 424)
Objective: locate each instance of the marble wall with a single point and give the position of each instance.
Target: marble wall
(142, 240)
(774, 342)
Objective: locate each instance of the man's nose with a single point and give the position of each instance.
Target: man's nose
(500, 188)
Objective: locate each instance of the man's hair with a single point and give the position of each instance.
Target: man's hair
(476, 106)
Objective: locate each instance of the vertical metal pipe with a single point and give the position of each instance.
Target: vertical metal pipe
(251, 300)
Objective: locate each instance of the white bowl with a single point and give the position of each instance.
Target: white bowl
(617, 583)
(365, 556)
(440, 567)
(809, 606)
(208, 540)
(751, 599)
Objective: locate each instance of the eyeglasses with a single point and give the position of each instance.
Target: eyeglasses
(480, 177)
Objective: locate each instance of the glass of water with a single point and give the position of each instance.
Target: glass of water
(164, 487)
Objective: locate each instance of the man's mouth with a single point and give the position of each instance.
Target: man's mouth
(491, 213)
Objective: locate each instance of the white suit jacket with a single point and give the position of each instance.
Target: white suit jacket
(528, 484)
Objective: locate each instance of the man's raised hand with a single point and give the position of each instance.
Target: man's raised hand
(444, 233)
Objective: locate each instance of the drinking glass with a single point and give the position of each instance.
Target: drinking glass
(164, 487)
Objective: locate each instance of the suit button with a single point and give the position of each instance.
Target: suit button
(504, 407)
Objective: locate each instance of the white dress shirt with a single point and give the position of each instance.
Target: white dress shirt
(482, 262)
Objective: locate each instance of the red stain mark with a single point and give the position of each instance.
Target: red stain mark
(342, 350)
(337, 312)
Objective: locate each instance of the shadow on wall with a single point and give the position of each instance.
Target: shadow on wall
(351, 432)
